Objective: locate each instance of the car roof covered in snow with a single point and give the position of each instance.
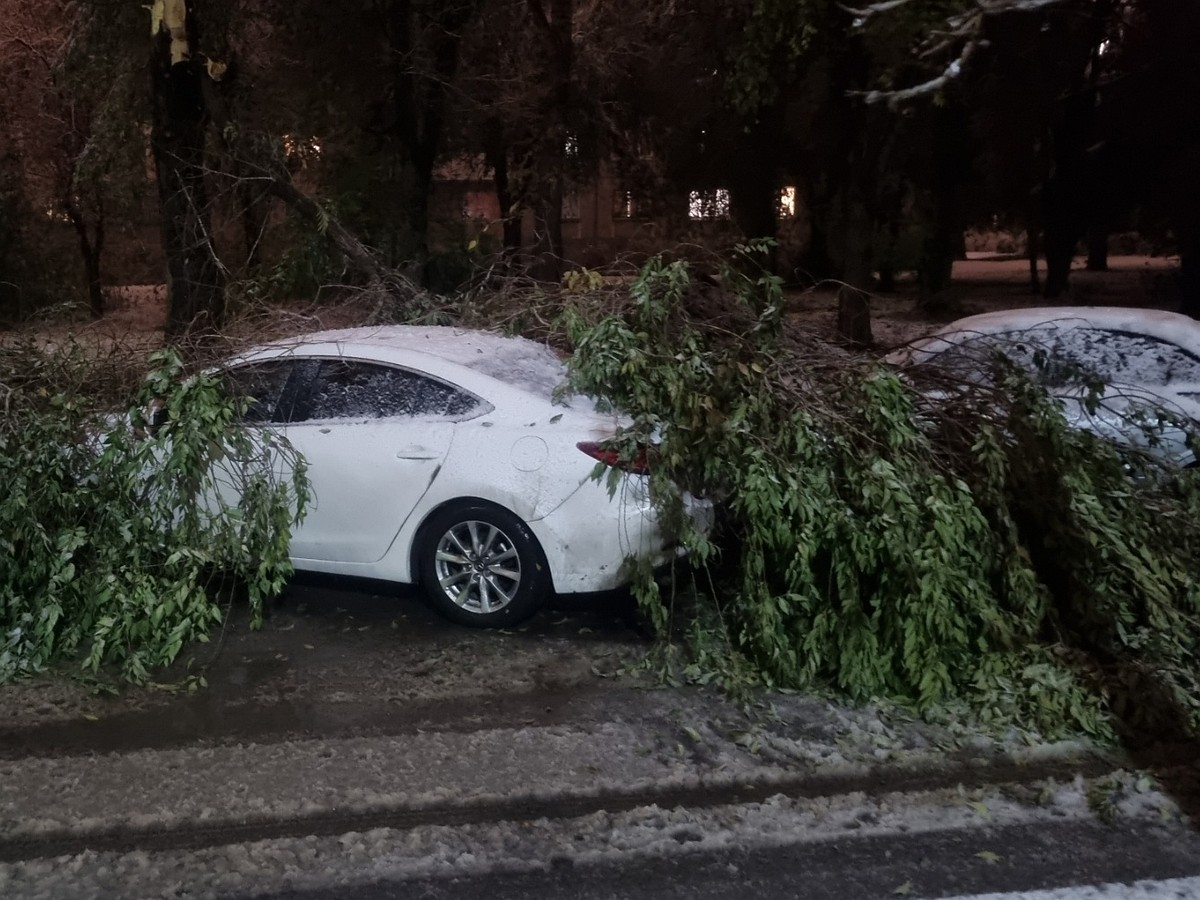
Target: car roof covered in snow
(516, 361)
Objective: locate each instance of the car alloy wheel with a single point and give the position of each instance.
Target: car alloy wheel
(480, 565)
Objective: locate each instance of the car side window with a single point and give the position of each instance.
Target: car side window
(1061, 357)
(353, 389)
(262, 385)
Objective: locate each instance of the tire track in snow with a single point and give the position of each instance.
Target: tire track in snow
(193, 835)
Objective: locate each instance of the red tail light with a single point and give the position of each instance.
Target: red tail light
(639, 465)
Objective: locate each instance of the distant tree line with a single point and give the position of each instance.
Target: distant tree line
(1070, 119)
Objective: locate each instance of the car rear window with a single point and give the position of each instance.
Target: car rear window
(1062, 356)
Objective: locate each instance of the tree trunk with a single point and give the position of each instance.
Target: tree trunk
(1065, 195)
(817, 264)
(554, 23)
(950, 156)
(937, 267)
(91, 261)
(548, 235)
(90, 250)
(496, 155)
(754, 182)
(1059, 255)
(254, 209)
(1097, 260)
(413, 118)
(1031, 249)
(1189, 270)
(854, 303)
(195, 276)
(854, 316)
(357, 255)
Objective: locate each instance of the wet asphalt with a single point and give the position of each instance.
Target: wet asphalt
(338, 659)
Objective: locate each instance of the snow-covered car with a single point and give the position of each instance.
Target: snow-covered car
(1147, 360)
(447, 458)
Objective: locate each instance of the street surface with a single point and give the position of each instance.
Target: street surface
(359, 747)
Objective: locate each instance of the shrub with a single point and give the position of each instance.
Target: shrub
(111, 539)
(939, 547)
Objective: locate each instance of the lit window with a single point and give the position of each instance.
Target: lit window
(623, 207)
(787, 202)
(302, 149)
(710, 204)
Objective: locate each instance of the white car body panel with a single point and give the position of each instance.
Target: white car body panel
(1135, 383)
(376, 481)
(395, 474)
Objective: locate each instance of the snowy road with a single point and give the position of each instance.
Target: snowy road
(359, 749)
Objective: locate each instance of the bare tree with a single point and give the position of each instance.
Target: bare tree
(51, 128)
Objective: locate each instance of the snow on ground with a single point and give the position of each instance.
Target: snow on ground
(651, 749)
(1171, 889)
(486, 848)
(645, 746)
(165, 787)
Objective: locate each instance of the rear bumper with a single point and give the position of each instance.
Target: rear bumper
(589, 537)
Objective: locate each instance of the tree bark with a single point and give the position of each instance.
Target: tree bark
(950, 155)
(254, 210)
(1060, 252)
(554, 27)
(496, 154)
(854, 303)
(754, 195)
(817, 261)
(510, 224)
(548, 234)
(91, 248)
(1097, 260)
(195, 276)
(1189, 269)
(1031, 250)
(937, 266)
(887, 278)
(357, 255)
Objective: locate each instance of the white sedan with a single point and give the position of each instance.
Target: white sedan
(1147, 359)
(443, 457)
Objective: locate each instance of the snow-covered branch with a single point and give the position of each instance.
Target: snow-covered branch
(876, 8)
(932, 86)
(962, 36)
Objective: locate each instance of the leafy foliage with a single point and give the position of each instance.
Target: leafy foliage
(937, 544)
(113, 533)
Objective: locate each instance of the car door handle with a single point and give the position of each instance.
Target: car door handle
(417, 453)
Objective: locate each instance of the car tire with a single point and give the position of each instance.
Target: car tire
(481, 566)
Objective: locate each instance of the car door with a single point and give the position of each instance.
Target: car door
(374, 437)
